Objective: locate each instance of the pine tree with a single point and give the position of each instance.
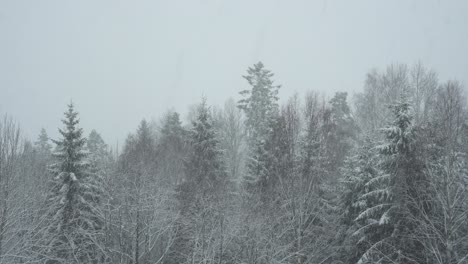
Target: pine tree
(172, 149)
(99, 157)
(260, 103)
(338, 132)
(96, 144)
(75, 220)
(360, 179)
(138, 165)
(43, 153)
(204, 167)
(172, 125)
(311, 156)
(386, 229)
(311, 207)
(42, 143)
(261, 108)
(102, 163)
(201, 194)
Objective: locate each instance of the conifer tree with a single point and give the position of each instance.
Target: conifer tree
(260, 105)
(360, 173)
(401, 183)
(96, 144)
(201, 194)
(138, 165)
(43, 153)
(338, 132)
(75, 221)
(172, 149)
(42, 143)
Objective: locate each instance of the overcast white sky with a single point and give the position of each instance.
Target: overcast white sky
(121, 61)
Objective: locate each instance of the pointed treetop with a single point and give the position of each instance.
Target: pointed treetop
(95, 143)
(260, 103)
(400, 133)
(70, 121)
(42, 142)
(70, 147)
(171, 123)
(259, 77)
(202, 110)
(339, 104)
(144, 131)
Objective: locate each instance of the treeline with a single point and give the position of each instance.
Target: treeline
(383, 179)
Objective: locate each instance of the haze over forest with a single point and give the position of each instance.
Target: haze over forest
(219, 132)
(123, 61)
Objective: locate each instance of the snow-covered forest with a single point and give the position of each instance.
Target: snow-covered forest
(380, 176)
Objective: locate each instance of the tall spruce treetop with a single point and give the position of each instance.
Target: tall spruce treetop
(96, 144)
(171, 141)
(172, 125)
(360, 187)
(99, 157)
(145, 145)
(261, 103)
(204, 186)
(387, 228)
(137, 157)
(172, 149)
(75, 219)
(42, 143)
(173, 135)
(341, 114)
(339, 131)
(261, 108)
(204, 167)
(408, 181)
(70, 154)
(400, 133)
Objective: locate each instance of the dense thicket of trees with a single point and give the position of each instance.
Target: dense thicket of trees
(382, 178)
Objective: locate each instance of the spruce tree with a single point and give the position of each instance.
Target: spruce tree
(43, 154)
(341, 132)
(201, 194)
(385, 226)
(204, 168)
(95, 144)
(138, 165)
(75, 221)
(260, 105)
(42, 144)
(360, 178)
(172, 150)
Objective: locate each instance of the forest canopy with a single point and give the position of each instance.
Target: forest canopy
(380, 176)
